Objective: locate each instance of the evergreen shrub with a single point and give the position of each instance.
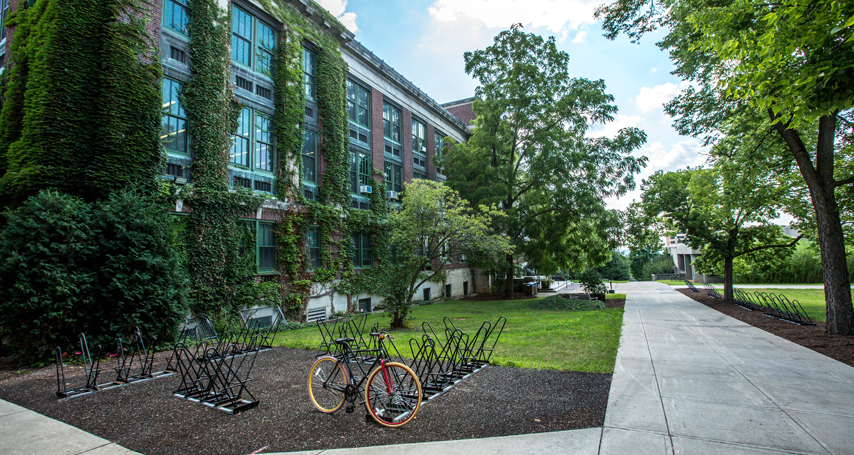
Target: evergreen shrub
(69, 267)
(560, 303)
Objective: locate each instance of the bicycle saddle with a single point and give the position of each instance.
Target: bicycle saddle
(344, 340)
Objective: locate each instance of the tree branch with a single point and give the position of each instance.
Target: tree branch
(765, 247)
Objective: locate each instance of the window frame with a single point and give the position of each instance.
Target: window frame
(356, 102)
(391, 184)
(359, 250)
(252, 146)
(309, 77)
(310, 249)
(419, 141)
(181, 5)
(357, 176)
(388, 119)
(306, 132)
(438, 147)
(177, 115)
(254, 226)
(254, 42)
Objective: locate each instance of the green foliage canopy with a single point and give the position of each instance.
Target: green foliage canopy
(530, 155)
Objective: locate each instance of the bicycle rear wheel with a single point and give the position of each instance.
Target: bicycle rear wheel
(393, 399)
(326, 382)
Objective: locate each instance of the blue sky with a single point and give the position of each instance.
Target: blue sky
(425, 40)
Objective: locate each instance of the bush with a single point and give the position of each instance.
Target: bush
(69, 267)
(592, 284)
(618, 268)
(560, 303)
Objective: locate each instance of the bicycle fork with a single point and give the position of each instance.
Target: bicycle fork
(387, 378)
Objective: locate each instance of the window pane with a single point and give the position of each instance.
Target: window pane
(241, 37)
(354, 172)
(357, 245)
(174, 15)
(240, 147)
(364, 169)
(264, 154)
(309, 72)
(367, 259)
(309, 156)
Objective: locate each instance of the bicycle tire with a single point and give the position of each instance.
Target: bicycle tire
(398, 407)
(326, 382)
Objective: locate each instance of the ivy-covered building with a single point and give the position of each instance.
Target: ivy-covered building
(325, 131)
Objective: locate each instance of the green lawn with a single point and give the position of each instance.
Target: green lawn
(672, 282)
(811, 299)
(554, 340)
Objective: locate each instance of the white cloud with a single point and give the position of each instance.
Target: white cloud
(557, 16)
(338, 9)
(681, 154)
(655, 97)
(611, 129)
(580, 36)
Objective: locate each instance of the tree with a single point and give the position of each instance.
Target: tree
(794, 62)
(725, 211)
(432, 226)
(530, 155)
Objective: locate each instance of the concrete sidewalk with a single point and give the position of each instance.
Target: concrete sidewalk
(688, 380)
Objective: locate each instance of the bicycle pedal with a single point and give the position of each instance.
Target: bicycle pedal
(350, 409)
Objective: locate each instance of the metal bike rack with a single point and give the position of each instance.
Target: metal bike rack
(92, 368)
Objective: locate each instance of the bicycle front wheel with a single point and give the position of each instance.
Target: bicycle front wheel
(393, 396)
(326, 383)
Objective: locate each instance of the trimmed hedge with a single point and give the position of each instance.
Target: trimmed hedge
(560, 303)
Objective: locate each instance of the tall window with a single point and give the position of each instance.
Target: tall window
(175, 16)
(253, 142)
(309, 156)
(266, 247)
(239, 154)
(263, 143)
(419, 175)
(241, 37)
(173, 132)
(309, 72)
(312, 243)
(251, 37)
(265, 50)
(358, 104)
(391, 122)
(438, 140)
(393, 177)
(360, 170)
(419, 137)
(362, 250)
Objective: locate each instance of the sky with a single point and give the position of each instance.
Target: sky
(425, 40)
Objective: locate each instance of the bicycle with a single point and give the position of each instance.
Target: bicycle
(391, 392)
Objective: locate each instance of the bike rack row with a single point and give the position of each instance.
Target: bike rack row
(774, 305)
(134, 363)
(691, 286)
(711, 291)
(215, 371)
(440, 362)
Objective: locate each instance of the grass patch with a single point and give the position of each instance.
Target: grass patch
(672, 282)
(811, 299)
(558, 303)
(569, 341)
(614, 296)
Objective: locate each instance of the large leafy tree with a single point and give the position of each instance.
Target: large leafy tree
(792, 62)
(725, 211)
(432, 226)
(530, 154)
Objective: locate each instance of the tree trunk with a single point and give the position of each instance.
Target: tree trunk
(728, 294)
(508, 284)
(822, 186)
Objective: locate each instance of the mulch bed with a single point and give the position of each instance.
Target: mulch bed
(839, 347)
(146, 418)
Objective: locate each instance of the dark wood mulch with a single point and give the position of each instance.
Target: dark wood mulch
(615, 303)
(839, 347)
(146, 418)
